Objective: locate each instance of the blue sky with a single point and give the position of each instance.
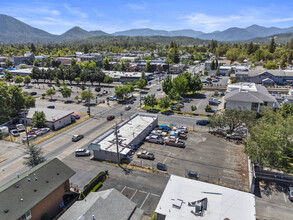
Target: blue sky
(57, 16)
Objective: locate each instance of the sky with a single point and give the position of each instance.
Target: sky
(58, 16)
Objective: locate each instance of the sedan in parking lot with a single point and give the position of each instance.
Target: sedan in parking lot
(15, 132)
(29, 137)
(161, 166)
(202, 122)
(127, 108)
(51, 106)
(291, 194)
(76, 116)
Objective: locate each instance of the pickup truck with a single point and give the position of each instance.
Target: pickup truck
(175, 142)
(146, 155)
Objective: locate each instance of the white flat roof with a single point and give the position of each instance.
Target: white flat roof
(222, 202)
(118, 74)
(52, 115)
(243, 86)
(126, 133)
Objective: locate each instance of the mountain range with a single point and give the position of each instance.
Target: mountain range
(15, 31)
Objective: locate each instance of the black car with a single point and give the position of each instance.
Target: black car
(161, 166)
(192, 174)
(202, 122)
(33, 93)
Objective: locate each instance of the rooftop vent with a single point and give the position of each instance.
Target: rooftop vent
(21, 199)
(6, 210)
(177, 203)
(200, 206)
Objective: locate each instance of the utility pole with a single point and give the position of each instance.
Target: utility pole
(25, 114)
(89, 102)
(140, 99)
(117, 145)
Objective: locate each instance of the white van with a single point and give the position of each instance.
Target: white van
(4, 130)
(20, 127)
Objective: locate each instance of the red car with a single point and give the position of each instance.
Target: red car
(110, 117)
(76, 116)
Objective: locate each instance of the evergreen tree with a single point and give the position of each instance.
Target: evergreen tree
(35, 156)
(272, 46)
(213, 65)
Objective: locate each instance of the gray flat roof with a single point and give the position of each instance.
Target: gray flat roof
(127, 131)
(222, 202)
(52, 115)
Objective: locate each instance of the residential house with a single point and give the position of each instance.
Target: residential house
(108, 204)
(249, 96)
(38, 192)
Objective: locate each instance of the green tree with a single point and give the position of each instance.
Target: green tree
(208, 108)
(85, 94)
(148, 67)
(193, 108)
(270, 65)
(272, 46)
(33, 48)
(16, 99)
(141, 83)
(30, 101)
(35, 156)
(27, 80)
(173, 54)
(106, 63)
(122, 66)
(36, 63)
(115, 68)
(39, 119)
(18, 79)
(286, 110)
(195, 84)
(57, 81)
(108, 79)
(73, 62)
(150, 100)
(8, 63)
(180, 84)
(8, 76)
(165, 102)
(5, 109)
(65, 91)
(167, 84)
(51, 92)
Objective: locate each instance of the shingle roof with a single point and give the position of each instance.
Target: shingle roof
(20, 195)
(108, 204)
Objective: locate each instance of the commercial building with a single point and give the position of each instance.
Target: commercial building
(130, 133)
(37, 192)
(249, 96)
(55, 119)
(191, 199)
(263, 76)
(119, 76)
(108, 204)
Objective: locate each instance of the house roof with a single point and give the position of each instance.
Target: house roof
(24, 192)
(52, 115)
(258, 94)
(108, 204)
(222, 202)
(257, 72)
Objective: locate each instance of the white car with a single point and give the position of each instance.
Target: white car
(29, 137)
(82, 152)
(15, 132)
(44, 130)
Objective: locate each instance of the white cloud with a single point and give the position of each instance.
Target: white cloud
(76, 11)
(137, 6)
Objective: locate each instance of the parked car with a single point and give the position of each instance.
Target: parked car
(157, 133)
(15, 132)
(82, 152)
(222, 93)
(216, 92)
(146, 155)
(33, 93)
(20, 127)
(202, 122)
(161, 166)
(181, 128)
(291, 194)
(76, 116)
(205, 81)
(176, 134)
(192, 174)
(44, 130)
(164, 128)
(155, 139)
(33, 130)
(174, 142)
(127, 108)
(72, 118)
(159, 89)
(29, 137)
(214, 102)
(110, 117)
(51, 106)
(77, 137)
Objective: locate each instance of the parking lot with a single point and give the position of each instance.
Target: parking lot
(272, 201)
(214, 159)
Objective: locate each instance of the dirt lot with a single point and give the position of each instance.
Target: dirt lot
(214, 159)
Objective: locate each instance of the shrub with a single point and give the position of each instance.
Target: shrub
(193, 108)
(208, 108)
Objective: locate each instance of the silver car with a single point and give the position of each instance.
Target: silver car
(154, 139)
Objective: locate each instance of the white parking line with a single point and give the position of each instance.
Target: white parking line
(285, 197)
(167, 158)
(133, 194)
(153, 194)
(130, 188)
(144, 200)
(142, 191)
(123, 189)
